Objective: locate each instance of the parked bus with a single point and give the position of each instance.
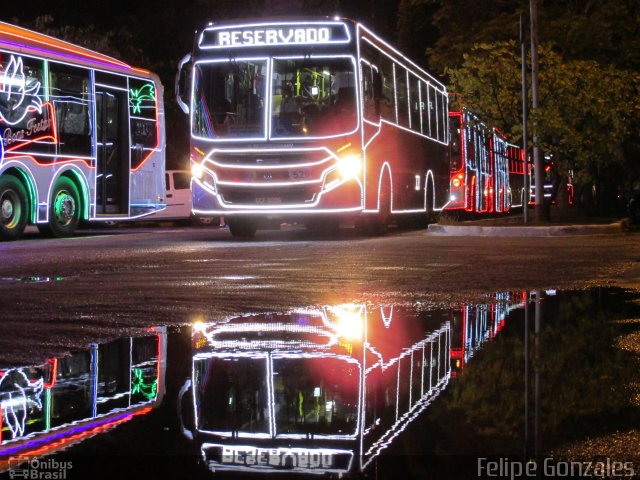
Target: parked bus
(470, 163)
(313, 121)
(81, 136)
(487, 172)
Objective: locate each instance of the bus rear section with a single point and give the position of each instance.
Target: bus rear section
(82, 136)
(284, 127)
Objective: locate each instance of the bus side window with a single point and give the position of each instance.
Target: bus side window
(433, 117)
(444, 115)
(402, 107)
(70, 95)
(424, 108)
(387, 107)
(440, 109)
(371, 99)
(414, 99)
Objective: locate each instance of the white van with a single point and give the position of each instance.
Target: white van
(178, 199)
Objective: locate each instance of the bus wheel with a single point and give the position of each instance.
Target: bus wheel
(64, 210)
(242, 227)
(13, 208)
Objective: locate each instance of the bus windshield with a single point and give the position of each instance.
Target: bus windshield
(313, 97)
(229, 99)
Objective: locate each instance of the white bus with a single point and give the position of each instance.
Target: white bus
(312, 121)
(81, 136)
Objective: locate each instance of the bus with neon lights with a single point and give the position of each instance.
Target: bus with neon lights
(49, 407)
(474, 325)
(314, 391)
(313, 121)
(81, 136)
(487, 172)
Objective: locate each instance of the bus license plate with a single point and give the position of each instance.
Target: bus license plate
(299, 174)
(268, 200)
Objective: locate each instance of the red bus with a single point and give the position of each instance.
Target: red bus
(487, 172)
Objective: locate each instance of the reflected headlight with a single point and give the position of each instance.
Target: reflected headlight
(349, 322)
(350, 166)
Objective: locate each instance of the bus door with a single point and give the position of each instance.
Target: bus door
(112, 134)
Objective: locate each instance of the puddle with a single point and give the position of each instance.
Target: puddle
(375, 390)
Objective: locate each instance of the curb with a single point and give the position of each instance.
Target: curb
(524, 231)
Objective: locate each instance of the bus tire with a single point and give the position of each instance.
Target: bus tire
(14, 208)
(242, 227)
(64, 210)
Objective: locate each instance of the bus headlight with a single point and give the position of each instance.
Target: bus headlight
(350, 166)
(197, 171)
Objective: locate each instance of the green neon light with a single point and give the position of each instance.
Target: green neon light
(46, 80)
(48, 406)
(138, 385)
(137, 96)
(31, 192)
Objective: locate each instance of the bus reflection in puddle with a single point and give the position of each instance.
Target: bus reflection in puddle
(324, 390)
(47, 408)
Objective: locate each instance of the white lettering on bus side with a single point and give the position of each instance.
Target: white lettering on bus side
(273, 36)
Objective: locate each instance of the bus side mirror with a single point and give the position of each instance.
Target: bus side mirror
(182, 84)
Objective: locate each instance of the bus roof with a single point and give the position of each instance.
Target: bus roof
(29, 41)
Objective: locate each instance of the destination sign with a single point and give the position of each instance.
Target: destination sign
(259, 35)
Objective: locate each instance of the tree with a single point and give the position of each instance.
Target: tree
(588, 112)
(602, 30)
